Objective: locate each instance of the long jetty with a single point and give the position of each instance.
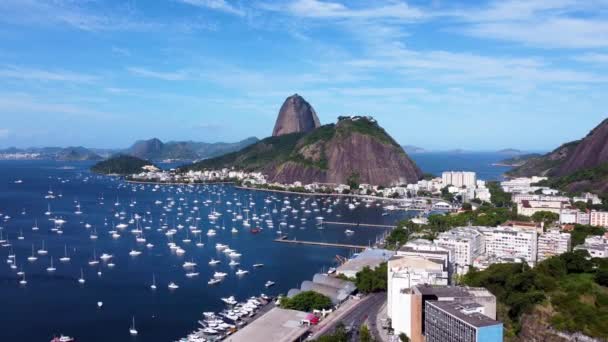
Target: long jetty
(354, 224)
(284, 239)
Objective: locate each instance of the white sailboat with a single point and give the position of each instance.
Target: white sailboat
(153, 286)
(51, 268)
(65, 258)
(33, 257)
(81, 279)
(132, 330)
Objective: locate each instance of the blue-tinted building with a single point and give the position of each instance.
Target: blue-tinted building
(459, 321)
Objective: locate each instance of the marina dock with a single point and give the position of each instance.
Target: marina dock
(353, 224)
(316, 243)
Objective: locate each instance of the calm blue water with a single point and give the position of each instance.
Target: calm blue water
(53, 303)
(479, 162)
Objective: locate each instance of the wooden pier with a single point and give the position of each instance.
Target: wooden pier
(315, 243)
(353, 224)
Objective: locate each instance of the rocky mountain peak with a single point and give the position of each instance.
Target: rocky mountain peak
(592, 151)
(295, 116)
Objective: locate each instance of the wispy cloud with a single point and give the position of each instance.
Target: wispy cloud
(179, 75)
(4, 132)
(14, 103)
(328, 9)
(218, 5)
(25, 73)
(540, 23)
(596, 58)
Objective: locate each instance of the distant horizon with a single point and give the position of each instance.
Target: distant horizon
(426, 150)
(492, 73)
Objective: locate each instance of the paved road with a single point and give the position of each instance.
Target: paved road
(367, 308)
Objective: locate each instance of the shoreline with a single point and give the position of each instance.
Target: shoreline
(172, 183)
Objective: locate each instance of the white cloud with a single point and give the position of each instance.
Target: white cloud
(218, 5)
(23, 73)
(597, 58)
(161, 75)
(14, 103)
(539, 23)
(4, 132)
(328, 9)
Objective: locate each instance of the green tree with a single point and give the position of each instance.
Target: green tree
(545, 217)
(364, 334)
(307, 301)
(375, 280)
(339, 335)
(403, 337)
(353, 180)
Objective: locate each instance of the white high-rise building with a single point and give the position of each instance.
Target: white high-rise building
(508, 242)
(552, 243)
(465, 243)
(598, 218)
(405, 272)
(459, 179)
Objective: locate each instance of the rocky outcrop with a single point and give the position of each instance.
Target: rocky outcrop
(295, 116)
(146, 148)
(592, 151)
(373, 161)
(332, 153)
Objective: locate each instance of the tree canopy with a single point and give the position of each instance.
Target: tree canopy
(307, 301)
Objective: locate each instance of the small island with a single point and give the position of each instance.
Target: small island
(122, 165)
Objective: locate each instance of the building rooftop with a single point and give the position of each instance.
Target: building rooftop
(467, 312)
(398, 263)
(277, 325)
(452, 291)
(369, 257)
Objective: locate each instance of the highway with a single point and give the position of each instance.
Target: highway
(367, 307)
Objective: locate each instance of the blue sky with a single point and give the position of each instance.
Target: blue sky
(437, 74)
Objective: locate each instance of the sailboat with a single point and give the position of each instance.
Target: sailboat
(65, 258)
(42, 251)
(51, 268)
(33, 257)
(23, 281)
(153, 286)
(81, 279)
(132, 330)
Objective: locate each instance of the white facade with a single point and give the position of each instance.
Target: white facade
(552, 243)
(568, 216)
(596, 246)
(404, 273)
(465, 243)
(529, 208)
(508, 242)
(459, 179)
(599, 218)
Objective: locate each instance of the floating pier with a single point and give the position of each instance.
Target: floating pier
(353, 224)
(315, 243)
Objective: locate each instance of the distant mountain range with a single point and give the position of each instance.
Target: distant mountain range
(152, 149)
(73, 153)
